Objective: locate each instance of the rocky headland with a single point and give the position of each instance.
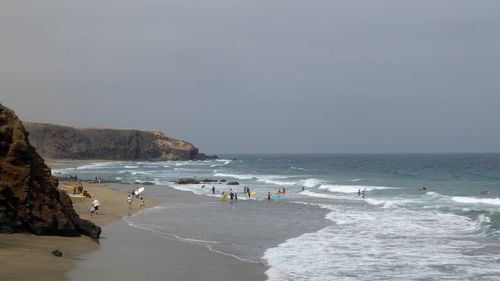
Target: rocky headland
(29, 198)
(63, 142)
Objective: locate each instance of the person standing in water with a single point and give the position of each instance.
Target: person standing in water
(268, 195)
(141, 204)
(213, 189)
(129, 202)
(248, 192)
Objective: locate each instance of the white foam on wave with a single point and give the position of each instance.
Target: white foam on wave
(130, 167)
(276, 180)
(207, 191)
(140, 173)
(225, 162)
(475, 200)
(269, 179)
(320, 195)
(391, 202)
(351, 188)
(297, 169)
(236, 176)
(311, 182)
(384, 244)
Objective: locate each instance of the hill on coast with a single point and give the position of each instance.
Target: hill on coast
(64, 142)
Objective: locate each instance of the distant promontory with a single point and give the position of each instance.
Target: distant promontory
(64, 142)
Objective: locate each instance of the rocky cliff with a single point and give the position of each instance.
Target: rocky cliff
(62, 142)
(29, 198)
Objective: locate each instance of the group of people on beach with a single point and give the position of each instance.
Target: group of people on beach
(232, 194)
(131, 198)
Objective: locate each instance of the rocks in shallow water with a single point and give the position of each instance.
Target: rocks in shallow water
(57, 253)
(145, 183)
(29, 198)
(233, 183)
(188, 181)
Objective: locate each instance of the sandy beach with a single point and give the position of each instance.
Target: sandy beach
(29, 257)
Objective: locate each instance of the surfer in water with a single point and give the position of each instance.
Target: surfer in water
(248, 192)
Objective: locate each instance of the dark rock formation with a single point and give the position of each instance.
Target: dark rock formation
(29, 198)
(233, 183)
(188, 181)
(62, 142)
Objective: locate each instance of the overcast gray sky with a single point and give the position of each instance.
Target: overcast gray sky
(262, 76)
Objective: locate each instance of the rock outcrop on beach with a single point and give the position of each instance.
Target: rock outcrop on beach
(29, 198)
(63, 142)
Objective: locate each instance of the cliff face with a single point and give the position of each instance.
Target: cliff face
(62, 142)
(29, 198)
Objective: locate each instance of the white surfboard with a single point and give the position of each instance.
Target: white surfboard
(139, 191)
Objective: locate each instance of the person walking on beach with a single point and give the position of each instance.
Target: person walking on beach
(268, 195)
(92, 210)
(129, 202)
(141, 204)
(213, 189)
(96, 205)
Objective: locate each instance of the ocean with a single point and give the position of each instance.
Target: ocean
(423, 216)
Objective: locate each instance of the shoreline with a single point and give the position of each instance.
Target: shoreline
(25, 256)
(28, 257)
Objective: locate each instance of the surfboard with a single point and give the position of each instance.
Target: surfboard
(224, 197)
(253, 193)
(277, 196)
(139, 191)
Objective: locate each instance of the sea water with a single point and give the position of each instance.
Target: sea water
(422, 217)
